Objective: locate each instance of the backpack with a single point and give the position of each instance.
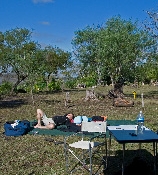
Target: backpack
(97, 118)
(16, 129)
(61, 120)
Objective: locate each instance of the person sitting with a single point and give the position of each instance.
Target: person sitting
(51, 123)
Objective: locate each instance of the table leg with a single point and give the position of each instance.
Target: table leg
(123, 159)
(139, 149)
(106, 152)
(109, 143)
(155, 154)
(109, 147)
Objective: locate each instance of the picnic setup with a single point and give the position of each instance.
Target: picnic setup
(87, 147)
(92, 144)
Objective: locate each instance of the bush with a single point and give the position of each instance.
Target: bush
(88, 81)
(54, 86)
(5, 88)
(40, 86)
(70, 84)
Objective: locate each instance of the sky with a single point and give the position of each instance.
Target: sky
(54, 22)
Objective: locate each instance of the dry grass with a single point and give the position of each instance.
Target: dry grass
(32, 155)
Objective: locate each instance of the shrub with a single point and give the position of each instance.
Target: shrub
(70, 84)
(54, 86)
(5, 88)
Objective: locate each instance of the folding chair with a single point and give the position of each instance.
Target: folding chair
(87, 149)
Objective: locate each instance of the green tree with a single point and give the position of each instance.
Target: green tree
(151, 26)
(114, 49)
(2, 63)
(55, 61)
(19, 53)
(85, 51)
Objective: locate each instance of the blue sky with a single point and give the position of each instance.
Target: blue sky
(55, 21)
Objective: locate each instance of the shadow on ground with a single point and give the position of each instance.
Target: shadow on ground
(135, 163)
(12, 103)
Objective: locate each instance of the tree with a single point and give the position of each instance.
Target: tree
(86, 51)
(2, 64)
(55, 61)
(126, 46)
(114, 49)
(24, 57)
(19, 52)
(151, 26)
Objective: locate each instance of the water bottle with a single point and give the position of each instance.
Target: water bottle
(140, 122)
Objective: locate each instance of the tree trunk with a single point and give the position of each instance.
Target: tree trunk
(117, 92)
(20, 79)
(90, 95)
(48, 81)
(112, 80)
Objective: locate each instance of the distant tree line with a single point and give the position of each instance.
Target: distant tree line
(103, 54)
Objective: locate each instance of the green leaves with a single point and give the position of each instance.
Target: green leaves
(27, 60)
(114, 48)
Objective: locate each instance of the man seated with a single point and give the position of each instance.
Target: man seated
(51, 123)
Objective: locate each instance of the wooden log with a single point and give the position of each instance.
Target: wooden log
(119, 102)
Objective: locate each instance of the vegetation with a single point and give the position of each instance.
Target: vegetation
(114, 50)
(25, 58)
(118, 50)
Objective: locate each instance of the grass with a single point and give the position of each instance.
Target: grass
(32, 155)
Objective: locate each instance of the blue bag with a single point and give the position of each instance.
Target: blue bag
(23, 127)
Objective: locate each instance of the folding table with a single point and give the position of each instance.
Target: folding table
(128, 134)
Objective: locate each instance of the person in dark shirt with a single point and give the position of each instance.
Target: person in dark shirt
(51, 123)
